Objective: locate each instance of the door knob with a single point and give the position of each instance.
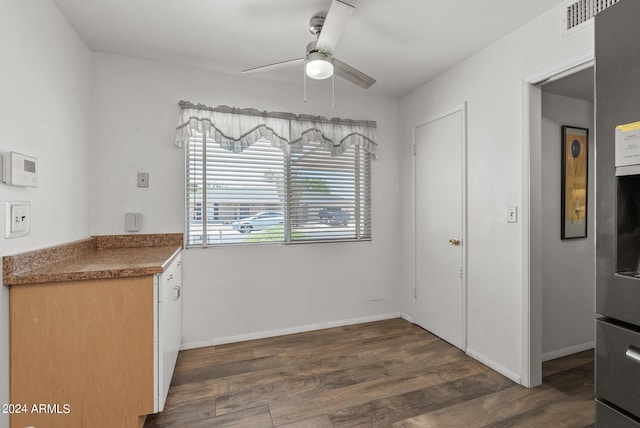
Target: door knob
(454, 241)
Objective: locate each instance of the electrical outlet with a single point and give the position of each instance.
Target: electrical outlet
(17, 219)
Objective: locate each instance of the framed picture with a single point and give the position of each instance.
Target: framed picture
(575, 162)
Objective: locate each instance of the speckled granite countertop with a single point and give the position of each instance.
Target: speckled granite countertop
(99, 257)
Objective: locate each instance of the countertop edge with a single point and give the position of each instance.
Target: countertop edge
(28, 279)
(170, 260)
(20, 269)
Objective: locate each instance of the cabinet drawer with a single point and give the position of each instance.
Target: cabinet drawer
(608, 417)
(171, 280)
(618, 366)
(173, 272)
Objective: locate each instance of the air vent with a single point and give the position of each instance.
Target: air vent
(583, 10)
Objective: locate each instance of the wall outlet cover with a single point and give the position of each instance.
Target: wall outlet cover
(17, 219)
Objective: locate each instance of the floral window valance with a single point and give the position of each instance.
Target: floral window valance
(237, 129)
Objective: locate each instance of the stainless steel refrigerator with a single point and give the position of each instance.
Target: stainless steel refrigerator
(617, 71)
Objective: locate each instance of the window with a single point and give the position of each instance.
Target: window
(257, 192)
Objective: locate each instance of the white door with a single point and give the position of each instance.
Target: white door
(440, 148)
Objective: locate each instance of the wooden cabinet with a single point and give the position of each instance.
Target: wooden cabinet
(93, 353)
(85, 346)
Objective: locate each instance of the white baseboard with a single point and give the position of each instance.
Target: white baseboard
(494, 366)
(285, 331)
(552, 355)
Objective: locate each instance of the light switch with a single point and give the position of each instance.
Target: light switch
(512, 214)
(17, 219)
(143, 179)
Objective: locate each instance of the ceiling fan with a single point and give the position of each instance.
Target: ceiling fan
(319, 61)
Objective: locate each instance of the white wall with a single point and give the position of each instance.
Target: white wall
(45, 113)
(491, 82)
(568, 273)
(238, 293)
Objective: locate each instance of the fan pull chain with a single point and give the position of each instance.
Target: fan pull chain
(333, 90)
(304, 73)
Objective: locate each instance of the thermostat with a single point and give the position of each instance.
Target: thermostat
(19, 170)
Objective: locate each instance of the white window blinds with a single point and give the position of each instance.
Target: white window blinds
(329, 196)
(229, 194)
(271, 181)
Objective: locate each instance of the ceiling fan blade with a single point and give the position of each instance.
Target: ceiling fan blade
(351, 74)
(274, 66)
(334, 24)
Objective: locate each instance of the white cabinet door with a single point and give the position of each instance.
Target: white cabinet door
(169, 326)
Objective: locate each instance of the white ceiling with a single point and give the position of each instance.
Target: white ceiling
(401, 43)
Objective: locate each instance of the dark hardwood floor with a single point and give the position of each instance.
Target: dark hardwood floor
(382, 374)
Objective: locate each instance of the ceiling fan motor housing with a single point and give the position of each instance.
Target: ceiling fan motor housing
(311, 48)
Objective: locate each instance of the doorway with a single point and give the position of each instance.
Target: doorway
(550, 262)
(440, 289)
(567, 266)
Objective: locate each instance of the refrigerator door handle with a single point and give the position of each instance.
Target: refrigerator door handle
(633, 354)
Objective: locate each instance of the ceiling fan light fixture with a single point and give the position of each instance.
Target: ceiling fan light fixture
(319, 66)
